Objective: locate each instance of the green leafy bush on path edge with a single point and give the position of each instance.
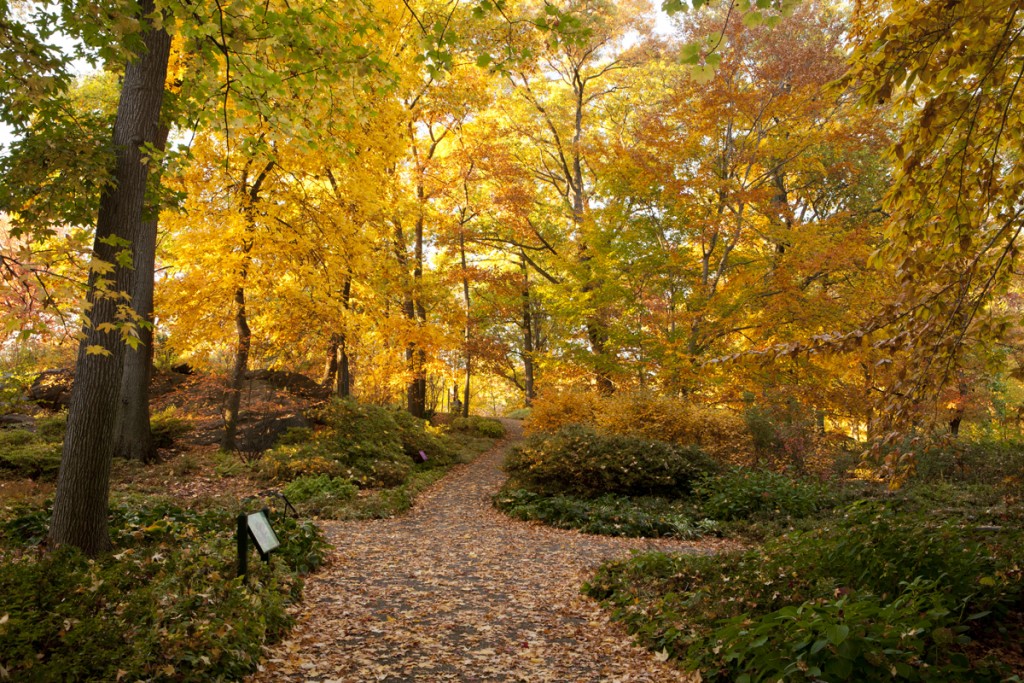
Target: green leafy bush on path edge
(366, 462)
(165, 606)
(479, 426)
(874, 595)
(581, 462)
(628, 486)
(607, 515)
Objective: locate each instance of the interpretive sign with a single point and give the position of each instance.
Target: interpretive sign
(257, 527)
(262, 535)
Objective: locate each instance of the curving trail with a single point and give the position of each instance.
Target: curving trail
(456, 591)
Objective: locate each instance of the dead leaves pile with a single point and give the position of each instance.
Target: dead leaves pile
(455, 591)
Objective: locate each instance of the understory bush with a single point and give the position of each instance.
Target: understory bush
(479, 426)
(720, 433)
(319, 495)
(872, 595)
(167, 425)
(742, 493)
(972, 460)
(609, 515)
(581, 462)
(32, 454)
(369, 445)
(165, 607)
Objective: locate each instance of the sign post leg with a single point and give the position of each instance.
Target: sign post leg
(243, 545)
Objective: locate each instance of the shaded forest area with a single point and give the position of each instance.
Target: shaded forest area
(748, 270)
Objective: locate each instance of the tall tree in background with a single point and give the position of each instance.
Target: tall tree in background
(952, 72)
(81, 498)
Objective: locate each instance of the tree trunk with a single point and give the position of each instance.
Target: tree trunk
(344, 385)
(330, 373)
(233, 400)
(135, 441)
(234, 396)
(527, 337)
(468, 331)
(81, 500)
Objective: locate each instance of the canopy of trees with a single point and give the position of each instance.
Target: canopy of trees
(797, 204)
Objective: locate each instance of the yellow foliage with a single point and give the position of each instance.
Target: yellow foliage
(554, 410)
(722, 434)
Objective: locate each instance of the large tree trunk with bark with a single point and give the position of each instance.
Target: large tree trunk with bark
(81, 501)
(135, 441)
(344, 384)
(468, 331)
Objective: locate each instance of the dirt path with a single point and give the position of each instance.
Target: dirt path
(455, 591)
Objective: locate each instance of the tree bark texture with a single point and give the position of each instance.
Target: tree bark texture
(135, 440)
(327, 379)
(81, 500)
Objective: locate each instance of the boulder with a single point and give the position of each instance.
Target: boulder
(51, 389)
(264, 433)
(292, 382)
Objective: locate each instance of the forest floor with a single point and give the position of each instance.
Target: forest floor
(456, 591)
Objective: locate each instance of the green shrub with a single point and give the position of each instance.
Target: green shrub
(11, 438)
(519, 414)
(320, 495)
(762, 430)
(294, 435)
(51, 428)
(609, 515)
(851, 638)
(32, 459)
(370, 445)
(581, 462)
(33, 454)
(479, 426)
(303, 489)
(386, 503)
(873, 577)
(745, 493)
(287, 462)
(167, 425)
(165, 607)
(417, 436)
(971, 460)
(24, 526)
